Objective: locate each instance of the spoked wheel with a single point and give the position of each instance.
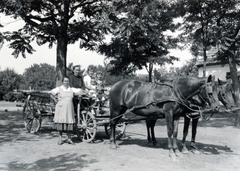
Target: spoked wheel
(120, 130)
(32, 120)
(86, 128)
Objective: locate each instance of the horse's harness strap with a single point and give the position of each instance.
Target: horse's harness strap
(181, 99)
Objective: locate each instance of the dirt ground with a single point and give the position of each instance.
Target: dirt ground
(218, 141)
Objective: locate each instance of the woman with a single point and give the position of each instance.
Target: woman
(64, 117)
(89, 81)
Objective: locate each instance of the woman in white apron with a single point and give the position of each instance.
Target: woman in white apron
(64, 118)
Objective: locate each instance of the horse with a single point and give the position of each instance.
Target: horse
(197, 102)
(151, 100)
(226, 94)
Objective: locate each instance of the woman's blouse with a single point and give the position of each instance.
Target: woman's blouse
(76, 91)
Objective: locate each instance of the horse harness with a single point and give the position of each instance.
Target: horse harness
(197, 110)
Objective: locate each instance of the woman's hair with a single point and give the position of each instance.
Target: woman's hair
(65, 76)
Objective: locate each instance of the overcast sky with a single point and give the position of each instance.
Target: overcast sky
(45, 55)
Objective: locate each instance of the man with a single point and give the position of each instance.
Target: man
(76, 80)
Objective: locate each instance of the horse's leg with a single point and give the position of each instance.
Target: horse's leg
(113, 124)
(194, 132)
(148, 125)
(169, 122)
(185, 133)
(175, 133)
(153, 122)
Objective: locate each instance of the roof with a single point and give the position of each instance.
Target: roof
(210, 62)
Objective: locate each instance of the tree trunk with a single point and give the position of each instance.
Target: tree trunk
(62, 42)
(204, 61)
(235, 83)
(150, 71)
(61, 59)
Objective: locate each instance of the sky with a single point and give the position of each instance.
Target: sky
(43, 54)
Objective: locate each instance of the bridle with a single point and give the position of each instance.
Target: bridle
(222, 95)
(209, 99)
(209, 93)
(207, 86)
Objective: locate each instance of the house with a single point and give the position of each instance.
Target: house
(221, 71)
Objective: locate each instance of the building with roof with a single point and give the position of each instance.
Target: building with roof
(214, 67)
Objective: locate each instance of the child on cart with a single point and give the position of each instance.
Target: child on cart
(101, 96)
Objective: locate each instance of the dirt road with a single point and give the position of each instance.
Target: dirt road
(218, 141)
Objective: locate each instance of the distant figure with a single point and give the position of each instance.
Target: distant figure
(64, 118)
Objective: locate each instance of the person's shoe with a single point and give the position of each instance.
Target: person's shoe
(60, 142)
(70, 142)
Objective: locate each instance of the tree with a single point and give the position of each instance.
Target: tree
(138, 38)
(57, 21)
(9, 80)
(189, 69)
(229, 39)
(40, 77)
(199, 19)
(228, 29)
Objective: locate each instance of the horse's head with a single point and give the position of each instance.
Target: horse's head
(208, 94)
(225, 94)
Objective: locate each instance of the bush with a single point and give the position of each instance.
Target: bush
(14, 96)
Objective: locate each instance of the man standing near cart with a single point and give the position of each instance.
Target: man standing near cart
(76, 81)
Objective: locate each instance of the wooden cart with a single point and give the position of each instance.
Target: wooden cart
(38, 104)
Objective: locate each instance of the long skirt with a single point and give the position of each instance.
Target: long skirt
(63, 126)
(64, 117)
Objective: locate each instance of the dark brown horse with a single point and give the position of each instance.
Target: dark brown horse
(150, 100)
(191, 113)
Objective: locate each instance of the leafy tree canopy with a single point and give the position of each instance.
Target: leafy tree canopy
(40, 76)
(57, 21)
(138, 35)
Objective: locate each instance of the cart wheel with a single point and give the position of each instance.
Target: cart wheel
(87, 128)
(32, 121)
(120, 130)
(34, 125)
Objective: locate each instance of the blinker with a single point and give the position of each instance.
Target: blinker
(209, 89)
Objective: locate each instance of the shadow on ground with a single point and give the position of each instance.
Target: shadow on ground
(12, 129)
(60, 162)
(162, 143)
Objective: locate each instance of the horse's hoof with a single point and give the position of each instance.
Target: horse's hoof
(195, 151)
(113, 146)
(193, 145)
(178, 153)
(172, 154)
(185, 150)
